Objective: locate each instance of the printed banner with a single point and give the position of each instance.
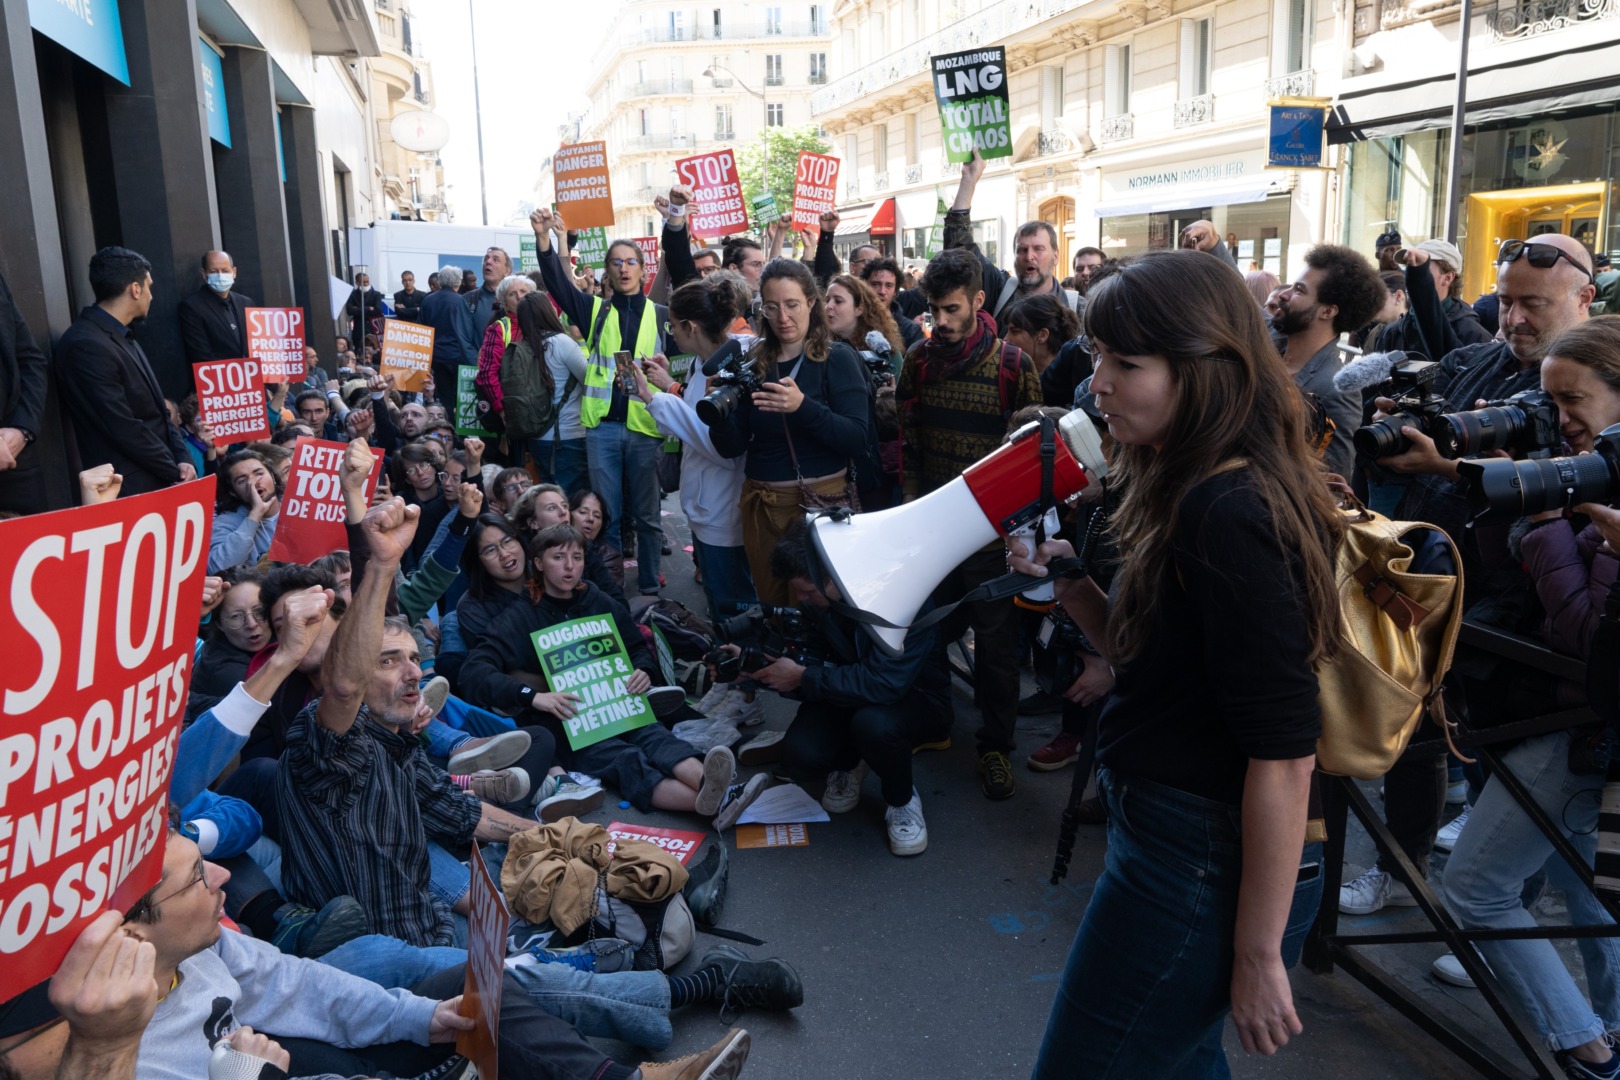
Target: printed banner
(649, 261)
(487, 922)
(407, 353)
(528, 254)
(592, 247)
(1296, 139)
(311, 522)
(230, 400)
(758, 836)
(936, 234)
(815, 189)
(717, 207)
(971, 88)
(586, 657)
(276, 340)
(467, 404)
(766, 212)
(584, 194)
(99, 627)
(682, 845)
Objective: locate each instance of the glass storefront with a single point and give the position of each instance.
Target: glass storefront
(1520, 177)
(1256, 232)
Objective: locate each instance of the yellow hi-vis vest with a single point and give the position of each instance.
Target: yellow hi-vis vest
(597, 395)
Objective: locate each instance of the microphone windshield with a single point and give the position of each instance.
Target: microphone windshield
(877, 342)
(722, 356)
(1369, 370)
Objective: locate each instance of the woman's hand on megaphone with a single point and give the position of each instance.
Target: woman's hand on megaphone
(1020, 560)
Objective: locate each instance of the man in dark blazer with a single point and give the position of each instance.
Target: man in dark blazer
(107, 386)
(365, 304)
(22, 411)
(213, 320)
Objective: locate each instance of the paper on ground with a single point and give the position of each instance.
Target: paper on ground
(781, 805)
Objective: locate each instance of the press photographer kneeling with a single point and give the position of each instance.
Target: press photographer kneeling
(863, 710)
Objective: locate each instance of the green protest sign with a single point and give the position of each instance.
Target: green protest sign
(971, 88)
(765, 211)
(528, 255)
(467, 404)
(666, 657)
(592, 247)
(936, 235)
(586, 657)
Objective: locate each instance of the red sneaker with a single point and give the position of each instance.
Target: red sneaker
(1059, 753)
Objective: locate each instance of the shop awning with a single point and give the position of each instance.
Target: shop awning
(1180, 198)
(870, 219)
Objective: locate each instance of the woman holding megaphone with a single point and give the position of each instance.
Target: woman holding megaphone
(1223, 603)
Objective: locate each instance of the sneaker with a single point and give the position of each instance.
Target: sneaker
(714, 702)
(705, 888)
(1456, 792)
(753, 984)
(493, 752)
(1576, 1069)
(744, 713)
(722, 1061)
(560, 797)
(666, 700)
(996, 776)
(497, 786)
(305, 932)
(1060, 753)
(436, 691)
(738, 798)
(1451, 831)
(943, 742)
(582, 780)
(908, 833)
(1448, 969)
(1373, 891)
(1040, 703)
(843, 792)
(762, 749)
(719, 772)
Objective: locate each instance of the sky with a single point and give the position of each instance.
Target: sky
(534, 56)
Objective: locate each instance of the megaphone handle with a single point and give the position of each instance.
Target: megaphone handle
(1048, 461)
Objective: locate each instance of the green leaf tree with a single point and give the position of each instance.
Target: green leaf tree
(769, 163)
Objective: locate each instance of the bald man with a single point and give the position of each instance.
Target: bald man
(213, 320)
(1202, 236)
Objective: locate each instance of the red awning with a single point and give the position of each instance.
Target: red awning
(883, 220)
(872, 219)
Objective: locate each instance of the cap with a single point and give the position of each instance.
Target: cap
(1601, 261)
(1388, 239)
(1442, 252)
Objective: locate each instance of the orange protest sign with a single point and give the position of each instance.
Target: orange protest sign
(311, 521)
(815, 189)
(99, 627)
(487, 923)
(230, 400)
(276, 340)
(717, 206)
(763, 836)
(407, 353)
(584, 195)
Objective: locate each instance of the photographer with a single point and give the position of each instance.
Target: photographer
(863, 710)
(1500, 847)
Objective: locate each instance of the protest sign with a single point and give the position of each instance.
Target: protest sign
(682, 845)
(528, 254)
(592, 247)
(99, 628)
(766, 211)
(584, 194)
(971, 88)
(586, 657)
(467, 422)
(761, 836)
(649, 261)
(815, 189)
(311, 522)
(230, 400)
(717, 207)
(407, 353)
(936, 234)
(487, 921)
(275, 338)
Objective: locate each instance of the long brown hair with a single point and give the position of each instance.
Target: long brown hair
(817, 336)
(872, 314)
(1235, 405)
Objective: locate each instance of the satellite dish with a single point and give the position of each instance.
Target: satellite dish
(419, 131)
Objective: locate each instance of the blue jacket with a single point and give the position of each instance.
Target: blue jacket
(447, 312)
(238, 540)
(225, 826)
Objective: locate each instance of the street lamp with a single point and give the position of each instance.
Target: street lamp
(709, 73)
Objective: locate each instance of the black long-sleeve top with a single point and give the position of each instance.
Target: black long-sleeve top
(828, 428)
(860, 672)
(22, 370)
(214, 327)
(629, 310)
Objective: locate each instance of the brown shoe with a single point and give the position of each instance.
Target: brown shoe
(722, 1061)
(490, 752)
(505, 786)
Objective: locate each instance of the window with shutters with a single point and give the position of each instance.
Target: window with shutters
(1293, 22)
(1197, 56)
(1051, 96)
(1117, 80)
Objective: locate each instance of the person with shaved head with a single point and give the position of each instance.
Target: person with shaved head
(213, 320)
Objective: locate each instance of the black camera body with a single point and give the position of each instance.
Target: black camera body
(1501, 490)
(1063, 640)
(727, 387)
(1526, 423)
(764, 631)
(1411, 384)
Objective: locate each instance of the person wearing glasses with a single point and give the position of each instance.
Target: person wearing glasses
(239, 628)
(245, 519)
(421, 464)
(621, 438)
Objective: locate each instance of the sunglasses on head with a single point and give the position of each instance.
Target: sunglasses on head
(1540, 256)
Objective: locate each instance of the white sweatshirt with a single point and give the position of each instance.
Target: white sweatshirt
(711, 485)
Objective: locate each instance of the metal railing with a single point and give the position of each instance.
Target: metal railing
(658, 87)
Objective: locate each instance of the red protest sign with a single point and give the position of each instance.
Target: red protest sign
(649, 261)
(276, 341)
(717, 206)
(815, 189)
(230, 400)
(311, 522)
(99, 631)
(487, 922)
(682, 845)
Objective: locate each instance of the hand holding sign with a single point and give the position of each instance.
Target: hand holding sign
(105, 988)
(558, 704)
(447, 1020)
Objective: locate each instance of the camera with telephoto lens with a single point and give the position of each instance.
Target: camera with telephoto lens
(1526, 423)
(727, 386)
(764, 632)
(1502, 490)
(1416, 406)
(1061, 638)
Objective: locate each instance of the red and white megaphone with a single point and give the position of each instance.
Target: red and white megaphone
(889, 562)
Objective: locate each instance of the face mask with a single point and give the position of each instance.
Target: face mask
(221, 282)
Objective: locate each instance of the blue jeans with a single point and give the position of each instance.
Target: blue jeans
(563, 463)
(727, 582)
(449, 878)
(1498, 850)
(442, 739)
(618, 454)
(1147, 986)
(631, 1006)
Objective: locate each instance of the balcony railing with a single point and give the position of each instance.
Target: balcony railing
(1190, 112)
(736, 30)
(913, 174)
(724, 136)
(1118, 128)
(1053, 141)
(818, 78)
(661, 141)
(1512, 21)
(660, 87)
(880, 181)
(1294, 84)
(774, 80)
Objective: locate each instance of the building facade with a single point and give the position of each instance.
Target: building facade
(1129, 120)
(669, 80)
(402, 82)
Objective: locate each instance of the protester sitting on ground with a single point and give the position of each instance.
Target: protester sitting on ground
(650, 767)
(1039, 325)
(245, 518)
(883, 276)
(236, 631)
(199, 437)
(420, 465)
(504, 490)
(1035, 251)
(588, 513)
(854, 312)
(312, 408)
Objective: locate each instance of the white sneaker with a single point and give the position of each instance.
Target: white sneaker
(843, 792)
(712, 702)
(908, 833)
(1451, 832)
(1373, 891)
(1448, 969)
(719, 773)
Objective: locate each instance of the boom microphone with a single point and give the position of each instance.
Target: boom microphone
(1370, 370)
(722, 356)
(878, 343)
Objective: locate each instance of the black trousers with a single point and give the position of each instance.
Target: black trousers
(995, 646)
(1415, 797)
(825, 737)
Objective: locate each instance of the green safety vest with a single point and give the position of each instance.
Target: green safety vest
(597, 395)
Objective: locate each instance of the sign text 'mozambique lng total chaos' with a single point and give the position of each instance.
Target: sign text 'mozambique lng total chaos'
(971, 88)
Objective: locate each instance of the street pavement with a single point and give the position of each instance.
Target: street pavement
(944, 965)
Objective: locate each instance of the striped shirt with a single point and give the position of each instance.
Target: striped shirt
(357, 811)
